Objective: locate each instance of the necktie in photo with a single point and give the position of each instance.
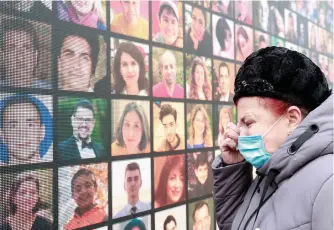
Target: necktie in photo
(133, 210)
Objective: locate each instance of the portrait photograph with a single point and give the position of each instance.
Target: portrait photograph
(130, 127)
(40, 10)
(329, 17)
(167, 72)
(243, 42)
(169, 180)
(83, 192)
(201, 215)
(26, 53)
(81, 128)
(312, 36)
(243, 11)
(199, 126)
(198, 75)
(323, 64)
(224, 7)
(301, 7)
(129, 67)
(81, 60)
(89, 13)
(223, 80)
(131, 189)
(143, 222)
(261, 15)
(321, 13)
(167, 22)
(223, 115)
(31, 118)
(302, 31)
(130, 18)
(26, 195)
(276, 19)
(168, 126)
(200, 179)
(262, 40)
(171, 219)
(290, 25)
(198, 38)
(223, 37)
(322, 40)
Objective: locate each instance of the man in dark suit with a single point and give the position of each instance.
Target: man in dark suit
(80, 144)
(224, 81)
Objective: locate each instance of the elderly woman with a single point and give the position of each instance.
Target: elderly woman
(284, 130)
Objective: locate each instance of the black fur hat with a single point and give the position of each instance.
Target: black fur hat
(280, 73)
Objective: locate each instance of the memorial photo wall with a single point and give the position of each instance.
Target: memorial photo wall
(112, 112)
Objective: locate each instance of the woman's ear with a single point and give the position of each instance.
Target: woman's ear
(295, 117)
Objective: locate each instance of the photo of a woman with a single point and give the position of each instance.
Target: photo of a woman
(25, 205)
(171, 183)
(133, 132)
(312, 36)
(244, 42)
(225, 116)
(200, 85)
(129, 71)
(198, 38)
(223, 45)
(200, 133)
(277, 22)
(87, 13)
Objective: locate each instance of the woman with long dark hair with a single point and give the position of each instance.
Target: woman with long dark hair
(171, 186)
(25, 205)
(129, 71)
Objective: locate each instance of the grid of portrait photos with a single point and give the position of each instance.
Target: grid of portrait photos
(111, 112)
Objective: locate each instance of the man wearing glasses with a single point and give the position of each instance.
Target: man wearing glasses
(80, 145)
(84, 188)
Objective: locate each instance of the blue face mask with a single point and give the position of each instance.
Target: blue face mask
(253, 150)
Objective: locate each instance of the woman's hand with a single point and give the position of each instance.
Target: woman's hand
(228, 145)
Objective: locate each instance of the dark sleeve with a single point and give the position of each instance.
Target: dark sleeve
(230, 184)
(41, 223)
(99, 151)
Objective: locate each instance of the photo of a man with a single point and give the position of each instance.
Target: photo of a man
(170, 25)
(20, 48)
(171, 218)
(26, 130)
(172, 140)
(82, 195)
(80, 144)
(201, 217)
(84, 188)
(77, 61)
(168, 87)
(203, 181)
(224, 80)
(132, 185)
